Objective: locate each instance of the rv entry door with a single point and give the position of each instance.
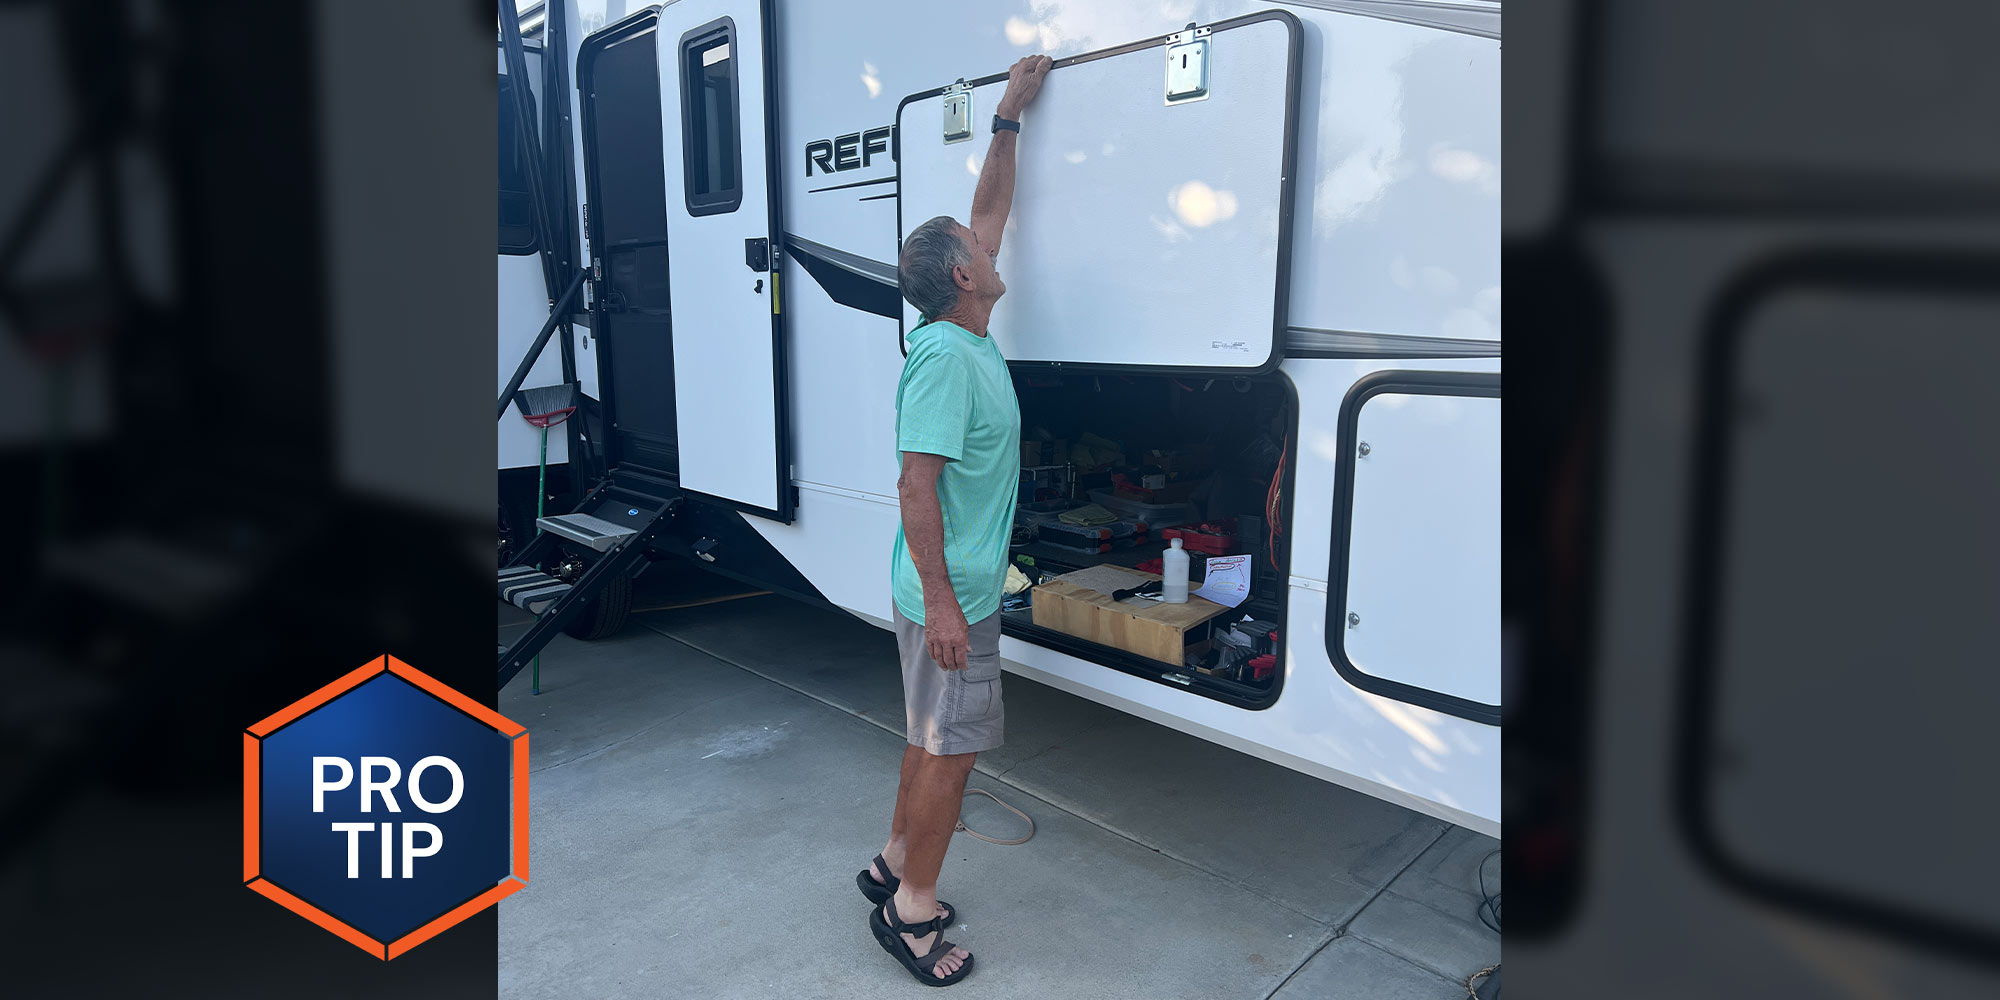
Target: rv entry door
(724, 225)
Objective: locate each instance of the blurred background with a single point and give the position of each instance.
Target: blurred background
(1752, 256)
(245, 349)
(1752, 260)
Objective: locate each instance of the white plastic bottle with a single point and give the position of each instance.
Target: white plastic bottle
(1174, 573)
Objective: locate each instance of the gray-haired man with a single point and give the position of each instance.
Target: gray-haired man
(958, 432)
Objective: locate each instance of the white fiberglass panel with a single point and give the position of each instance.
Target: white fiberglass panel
(1141, 233)
(1423, 556)
(725, 341)
(1397, 220)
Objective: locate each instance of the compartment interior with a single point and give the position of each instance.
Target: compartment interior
(1159, 453)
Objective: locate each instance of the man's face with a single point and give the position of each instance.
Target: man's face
(985, 277)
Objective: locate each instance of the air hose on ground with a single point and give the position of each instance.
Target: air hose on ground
(962, 828)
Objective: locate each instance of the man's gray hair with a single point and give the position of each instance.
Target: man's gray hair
(924, 272)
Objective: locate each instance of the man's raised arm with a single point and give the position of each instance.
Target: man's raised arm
(994, 196)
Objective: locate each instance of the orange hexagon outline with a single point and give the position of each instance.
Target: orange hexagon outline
(253, 789)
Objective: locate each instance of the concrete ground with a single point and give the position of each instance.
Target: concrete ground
(706, 784)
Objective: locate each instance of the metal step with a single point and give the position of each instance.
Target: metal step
(530, 589)
(623, 549)
(584, 529)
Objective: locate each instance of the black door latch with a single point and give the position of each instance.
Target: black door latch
(757, 254)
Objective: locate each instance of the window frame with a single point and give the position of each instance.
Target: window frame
(521, 196)
(727, 200)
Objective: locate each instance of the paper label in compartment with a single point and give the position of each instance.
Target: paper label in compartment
(1227, 582)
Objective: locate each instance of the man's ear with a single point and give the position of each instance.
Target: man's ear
(961, 279)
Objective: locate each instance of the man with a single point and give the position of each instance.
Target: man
(958, 432)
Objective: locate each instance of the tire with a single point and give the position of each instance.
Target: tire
(517, 523)
(605, 615)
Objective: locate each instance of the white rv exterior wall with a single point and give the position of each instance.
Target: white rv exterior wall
(1396, 231)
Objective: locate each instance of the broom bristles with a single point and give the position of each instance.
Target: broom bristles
(545, 399)
(546, 405)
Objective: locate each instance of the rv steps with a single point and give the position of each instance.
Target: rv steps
(619, 550)
(584, 529)
(530, 589)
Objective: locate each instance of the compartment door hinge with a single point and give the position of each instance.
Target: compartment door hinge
(958, 112)
(1187, 65)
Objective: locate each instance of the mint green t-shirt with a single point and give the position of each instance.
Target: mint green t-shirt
(957, 400)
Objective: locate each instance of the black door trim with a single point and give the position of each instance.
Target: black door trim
(1481, 384)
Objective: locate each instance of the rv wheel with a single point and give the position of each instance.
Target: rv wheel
(517, 525)
(605, 614)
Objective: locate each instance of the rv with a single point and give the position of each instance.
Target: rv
(1254, 272)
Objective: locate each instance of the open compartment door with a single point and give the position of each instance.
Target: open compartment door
(724, 225)
(1153, 198)
(1415, 609)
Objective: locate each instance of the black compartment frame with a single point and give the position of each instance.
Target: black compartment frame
(1228, 692)
(1287, 186)
(1427, 383)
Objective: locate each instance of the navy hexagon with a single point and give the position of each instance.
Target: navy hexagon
(384, 807)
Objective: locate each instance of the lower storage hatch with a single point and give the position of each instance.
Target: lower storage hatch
(1113, 467)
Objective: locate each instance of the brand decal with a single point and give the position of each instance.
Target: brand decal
(854, 151)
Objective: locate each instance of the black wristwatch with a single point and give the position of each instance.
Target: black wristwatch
(1000, 123)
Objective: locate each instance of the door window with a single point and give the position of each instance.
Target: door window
(710, 145)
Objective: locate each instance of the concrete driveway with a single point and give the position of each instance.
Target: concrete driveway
(707, 783)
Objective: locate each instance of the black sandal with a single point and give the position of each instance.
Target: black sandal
(879, 891)
(888, 930)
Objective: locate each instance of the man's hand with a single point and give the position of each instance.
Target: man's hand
(946, 636)
(1024, 81)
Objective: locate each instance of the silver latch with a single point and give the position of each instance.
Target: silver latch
(1187, 65)
(958, 112)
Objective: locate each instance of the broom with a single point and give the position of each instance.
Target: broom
(544, 406)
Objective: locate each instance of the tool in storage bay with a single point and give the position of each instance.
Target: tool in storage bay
(1093, 537)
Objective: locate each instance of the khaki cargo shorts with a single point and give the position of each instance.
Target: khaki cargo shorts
(952, 711)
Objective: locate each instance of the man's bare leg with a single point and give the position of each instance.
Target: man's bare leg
(936, 792)
(899, 824)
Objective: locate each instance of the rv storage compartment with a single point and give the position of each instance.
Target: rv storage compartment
(1205, 451)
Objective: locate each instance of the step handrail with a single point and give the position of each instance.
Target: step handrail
(541, 340)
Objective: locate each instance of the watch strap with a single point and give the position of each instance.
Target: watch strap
(1000, 123)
